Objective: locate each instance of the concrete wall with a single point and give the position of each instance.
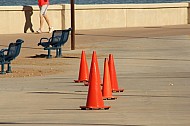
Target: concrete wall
(157, 15)
(20, 19)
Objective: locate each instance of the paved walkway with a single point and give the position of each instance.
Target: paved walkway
(152, 66)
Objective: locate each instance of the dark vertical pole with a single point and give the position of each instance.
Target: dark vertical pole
(73, 24)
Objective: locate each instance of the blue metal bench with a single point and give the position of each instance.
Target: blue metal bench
(58, 39)
(7, 55)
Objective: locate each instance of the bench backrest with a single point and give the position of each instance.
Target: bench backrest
(60, 37)
(19, 44)
(13, 50)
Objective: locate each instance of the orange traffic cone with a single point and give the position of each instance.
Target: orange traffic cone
(83, 72)
(94, 60)
(94, 98)
(113, 75)
(107, 89)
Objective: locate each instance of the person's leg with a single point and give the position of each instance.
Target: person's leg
(44, 13)
(49, 23)
(41, 19)
(41, 22)
(47, 20)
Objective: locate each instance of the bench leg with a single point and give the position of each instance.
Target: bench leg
(57, 53)
(9, 68)
(2, 69)
(60, 52)
(49, 54)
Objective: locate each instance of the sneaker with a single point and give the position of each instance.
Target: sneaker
(50, 29)
(39, 31)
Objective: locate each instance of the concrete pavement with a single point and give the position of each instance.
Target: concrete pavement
(152, 66)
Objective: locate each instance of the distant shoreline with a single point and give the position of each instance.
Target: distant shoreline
(83, 2)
